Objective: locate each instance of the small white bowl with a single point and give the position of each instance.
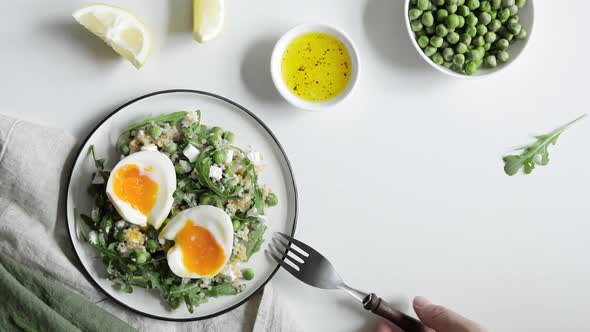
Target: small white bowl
(276, 62)
(526, 14)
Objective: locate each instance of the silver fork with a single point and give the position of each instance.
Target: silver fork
(311, 267)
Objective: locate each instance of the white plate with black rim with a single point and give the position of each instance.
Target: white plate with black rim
(216, 111)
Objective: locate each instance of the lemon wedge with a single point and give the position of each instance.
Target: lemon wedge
(120, 29)
(208, 18)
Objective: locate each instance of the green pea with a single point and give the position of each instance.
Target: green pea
(453, 21)
(503, 56)
(508, 3)
(151, 245)
(217, 131)
(423, 41)
(272, 199)
(471, 20)
(461, 22)
(124, 148)
(461, 48)
(441, 15)
(416, 25)
(490, 61)
(470, 68)
(213, 139)
(485, 18)
(520, 3)
(514, 28)
(457, 68)
(451, 2)
(513, 10)
(248, 274)
(236, 224)
(466, 39)
(448, 53)
(444, 44)
(453, 38)
(452, 9)
(205, 199)
(502, 44)
(472, 4)
(490, 37)
(436, 41)
(427, 19)
(460, 3)
(493, 14)
(481, 30)
(155, 131)
(415, 13)
(485, 7)
(476, 54)
(120, 236)
(437, 58)
(141, 257)
(429, 50)
(219, 157)
(478, 41)
(487, 46)
(522, 34)
(442, 30)
(447, 64)
(430, 29)
(423, 4)
(171, 148)
(513, 19)
(228, 136)
(463, 11)
(504, 15)
(438, 2)
(494, 26)
(496, 4)
(459, 59)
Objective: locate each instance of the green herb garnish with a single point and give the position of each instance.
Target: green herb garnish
(527, 159)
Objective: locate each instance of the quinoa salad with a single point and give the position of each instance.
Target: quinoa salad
(209, 171)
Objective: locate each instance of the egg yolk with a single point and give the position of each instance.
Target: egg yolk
(135, 188)
(200, 251)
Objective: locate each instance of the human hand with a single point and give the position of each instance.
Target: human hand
(436, 318)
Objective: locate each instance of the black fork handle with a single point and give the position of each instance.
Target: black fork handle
(379, 307)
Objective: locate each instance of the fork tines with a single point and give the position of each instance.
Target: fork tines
(288, 252)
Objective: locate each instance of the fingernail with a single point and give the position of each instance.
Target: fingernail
(420, 302)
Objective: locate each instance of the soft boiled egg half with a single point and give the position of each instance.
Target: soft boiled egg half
(141, 187)
(203, 241)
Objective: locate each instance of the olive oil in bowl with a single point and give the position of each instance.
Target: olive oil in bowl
(316, 66)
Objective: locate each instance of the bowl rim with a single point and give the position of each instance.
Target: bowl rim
(284, 41)
(449, 72)
(79, 150)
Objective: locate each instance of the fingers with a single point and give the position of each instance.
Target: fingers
(385, 327)
(442, 319)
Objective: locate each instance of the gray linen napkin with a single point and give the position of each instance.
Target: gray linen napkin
(34, 163)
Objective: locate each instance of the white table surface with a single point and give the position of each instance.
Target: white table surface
(402, 186)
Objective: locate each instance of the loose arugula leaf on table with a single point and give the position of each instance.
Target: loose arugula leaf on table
(527, 159)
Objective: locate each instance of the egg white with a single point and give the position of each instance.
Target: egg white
(161, 172)
(215, 220)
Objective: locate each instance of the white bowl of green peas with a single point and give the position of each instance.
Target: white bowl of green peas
(469, 38)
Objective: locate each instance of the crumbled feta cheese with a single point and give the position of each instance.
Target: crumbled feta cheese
(93, 237)
(206, 283)
(228, 274)
(191, 153)
(254, 156)
(120, 223)
(189, 119)
(149, 147)
(184, 166)
(229, 156)
(141, 133)
(162, 241)
(253, 212)
(215, 172)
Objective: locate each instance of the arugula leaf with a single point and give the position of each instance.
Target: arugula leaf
(171, 118)
(224, 288)
(256, 239)
(527, 159)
